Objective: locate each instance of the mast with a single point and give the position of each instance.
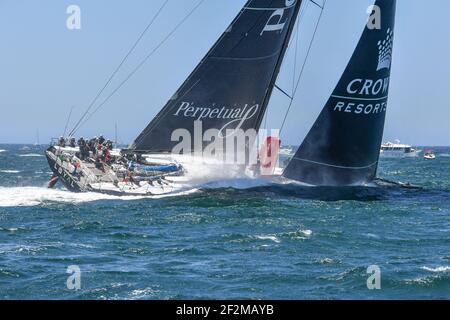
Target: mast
(115, 134)
(68, 121)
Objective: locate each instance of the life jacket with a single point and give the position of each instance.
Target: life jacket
(107, 156)
(268, 155)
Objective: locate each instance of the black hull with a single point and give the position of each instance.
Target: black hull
(73, 185)
(63, 176)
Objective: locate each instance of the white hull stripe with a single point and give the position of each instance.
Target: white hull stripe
(361, 99)
(336, 166)
(247, 59)
(270, 9)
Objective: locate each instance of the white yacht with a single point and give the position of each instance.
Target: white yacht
(397, 149)
(287, 151)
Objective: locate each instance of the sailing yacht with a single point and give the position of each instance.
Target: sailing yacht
(228, 93)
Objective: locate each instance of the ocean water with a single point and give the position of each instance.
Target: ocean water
(234, 240)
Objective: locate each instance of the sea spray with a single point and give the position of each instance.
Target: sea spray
(34, 196)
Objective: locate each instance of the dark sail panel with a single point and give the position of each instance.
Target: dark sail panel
(343, 146)
(230, 88)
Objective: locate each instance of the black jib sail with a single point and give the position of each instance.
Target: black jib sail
(343, 146)
(231, 87)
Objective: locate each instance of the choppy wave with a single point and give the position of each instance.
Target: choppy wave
(143, 293)
(239, 183)
(328, 261)
(438, 269)
(1, 150)
(9, 171)
(300, 234)
(33, 196)
(12, 230)
(31, 155)
(269, 237)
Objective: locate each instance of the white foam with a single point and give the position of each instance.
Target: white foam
(31, 155)
(372, 235)
(328, 261)
(12, 230)
(143, 293)
(300, 234)
(9, 171)
(437, 270)
(1, 150)
(170, 195)
(213, 174)
(239, 183)
(269, 237)
(198, 175)
(33, 196)
(307, 233)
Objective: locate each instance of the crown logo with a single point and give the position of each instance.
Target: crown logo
(385, 51)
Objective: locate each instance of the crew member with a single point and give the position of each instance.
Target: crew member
(72, 143)
(62, 142)
(109, 144)
(91, 145)
(106, 155)
(99, 164)
(129, 177)
(81, 142)
(84, 149)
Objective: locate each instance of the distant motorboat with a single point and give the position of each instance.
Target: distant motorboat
(429, 155)
(286, 151)
(397, 149)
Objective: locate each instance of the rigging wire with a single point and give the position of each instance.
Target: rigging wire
(303, 66)
(294, 77)
(68, 120)
(131, 74)
(119, 66)
(296, 35)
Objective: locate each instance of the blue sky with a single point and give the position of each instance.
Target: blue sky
(46, 68)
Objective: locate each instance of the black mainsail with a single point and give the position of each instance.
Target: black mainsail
(343, 146)
(231, 87)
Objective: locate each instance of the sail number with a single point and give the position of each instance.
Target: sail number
(275, 20)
